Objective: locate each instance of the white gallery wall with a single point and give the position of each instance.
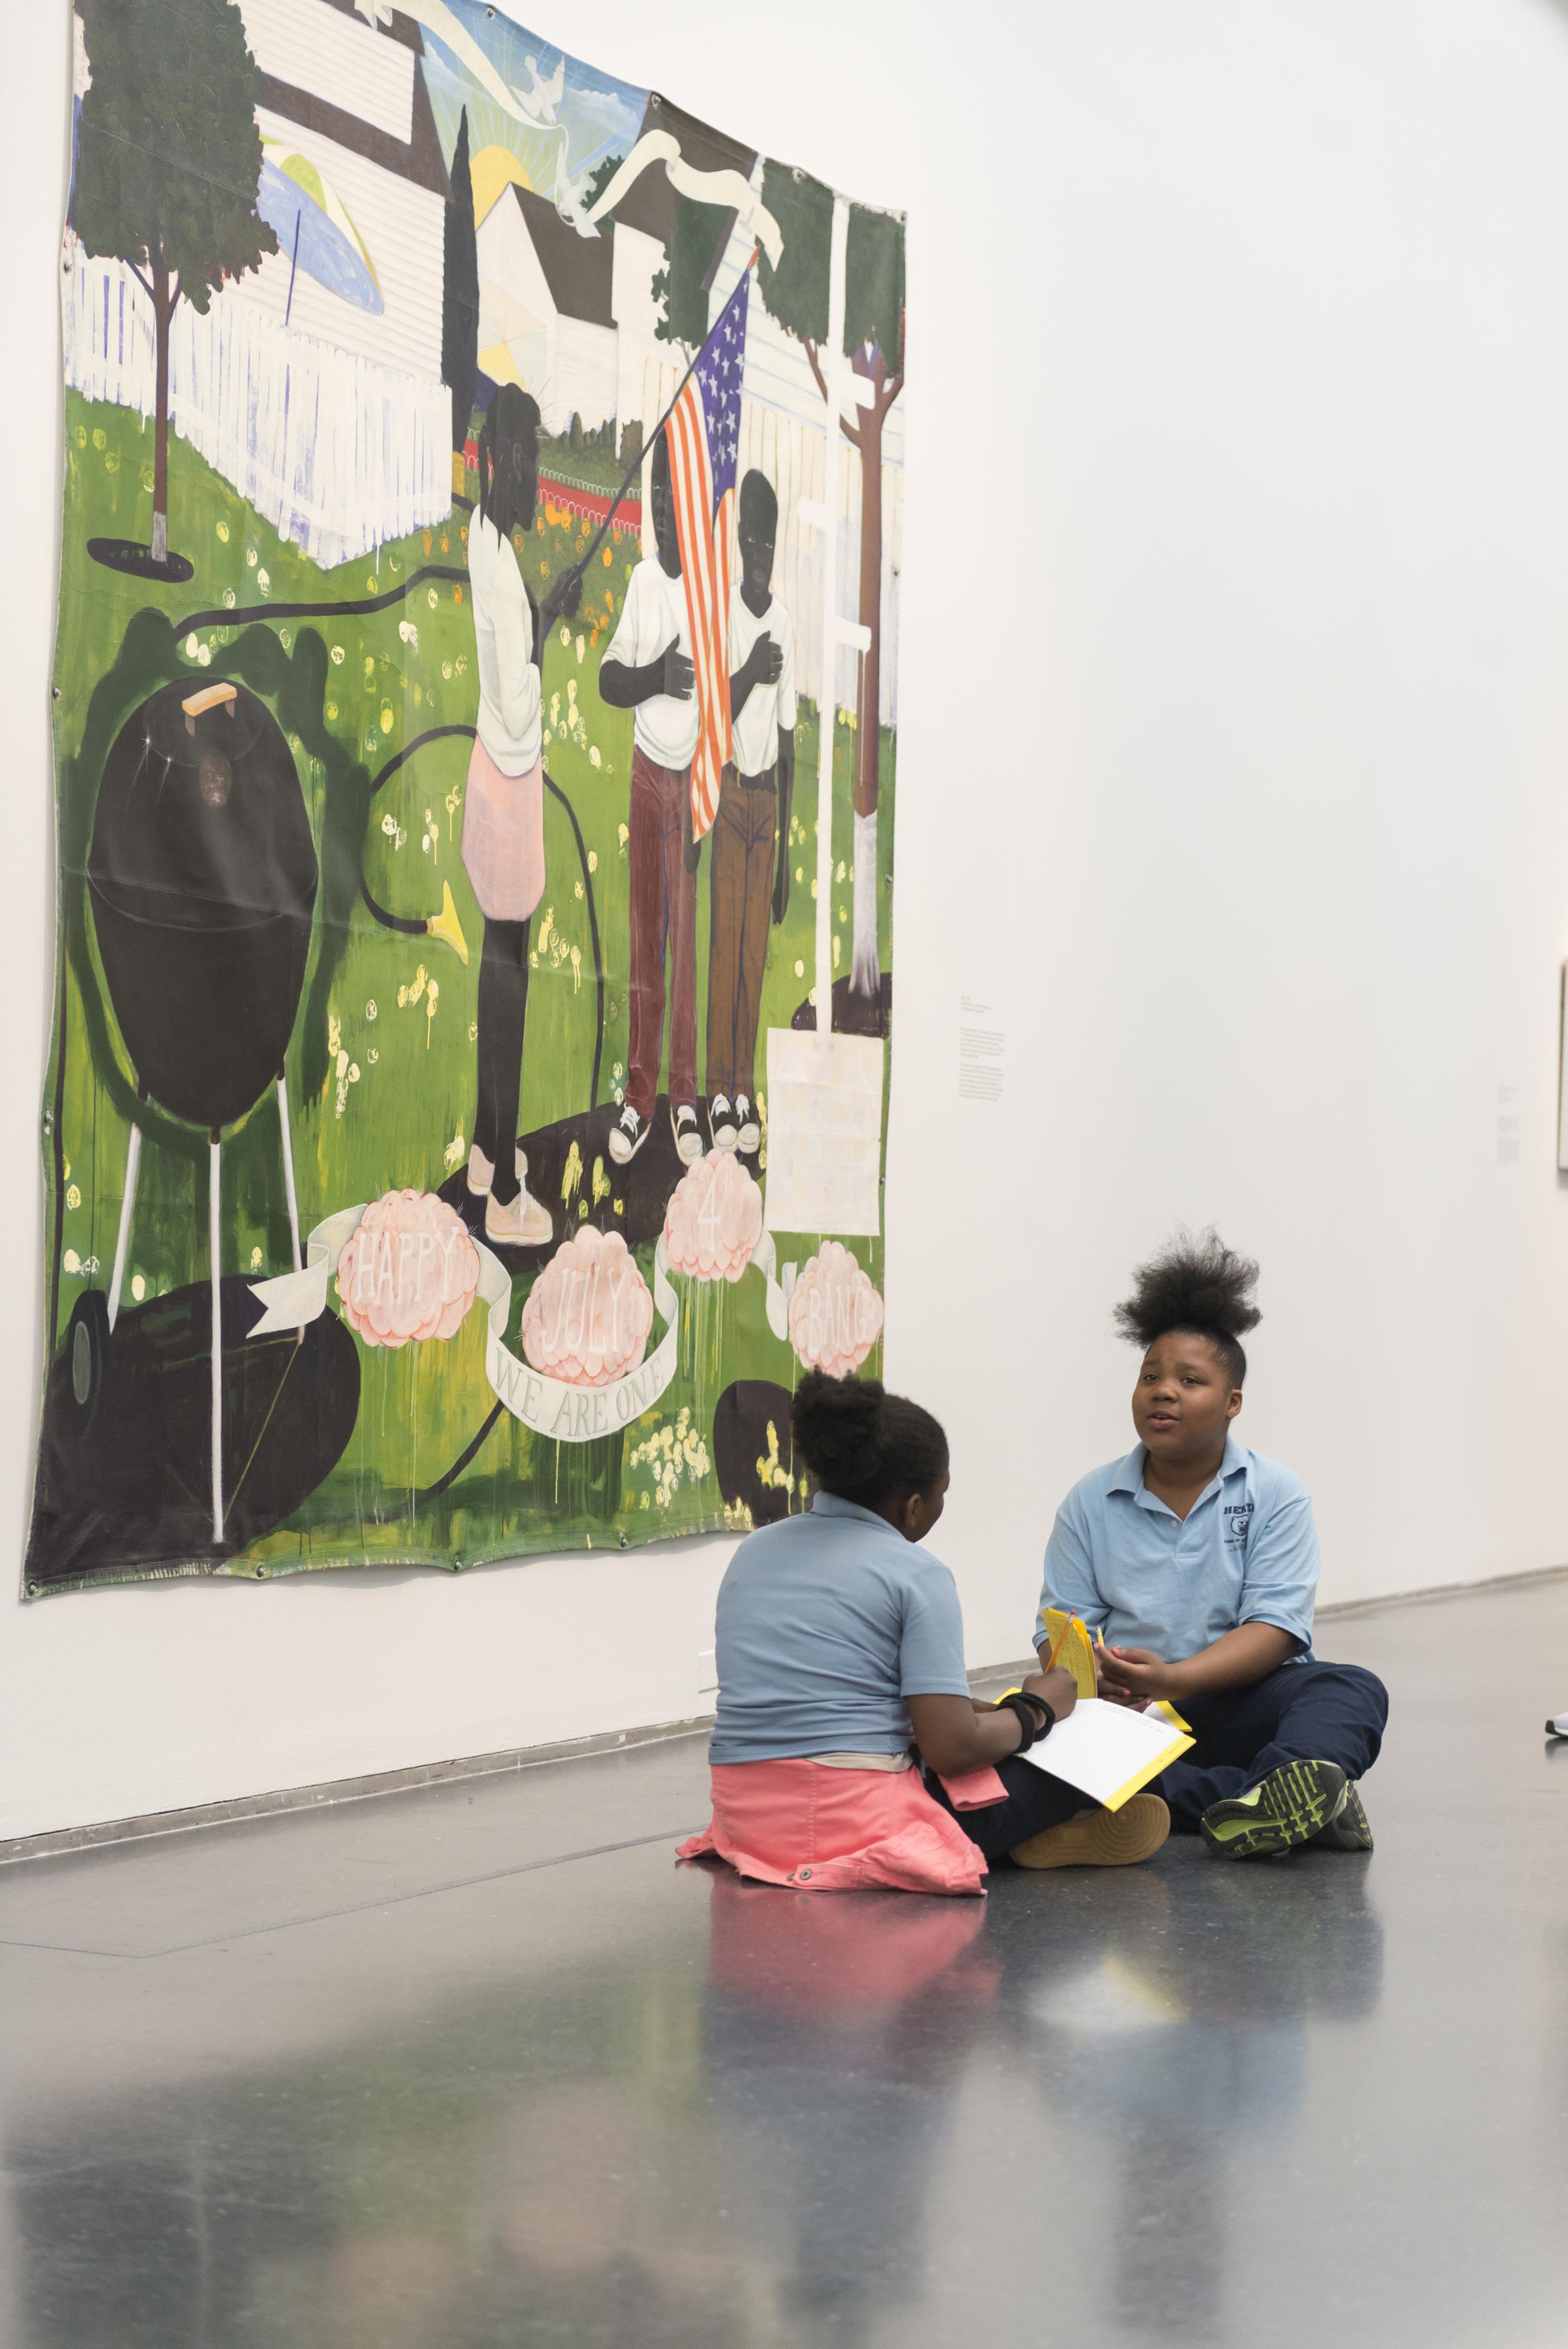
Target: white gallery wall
(1233, 776)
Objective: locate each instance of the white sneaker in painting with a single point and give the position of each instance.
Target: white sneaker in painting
(688, 1134)
(523, 1222)
(481, 1171)
(626, 1136)
(748, 1132)
(722, 1123)
(1558, 1725)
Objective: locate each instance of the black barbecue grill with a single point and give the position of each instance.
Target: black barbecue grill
(202, 877)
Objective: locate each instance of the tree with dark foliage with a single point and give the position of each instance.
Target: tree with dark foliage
(460, 293)
(169, 159)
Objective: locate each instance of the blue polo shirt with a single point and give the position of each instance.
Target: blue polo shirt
(1245, 1553)
(825, 1623)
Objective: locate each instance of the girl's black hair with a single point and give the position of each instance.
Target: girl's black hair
(1197, 1285)
(512, 420)
(863, 1444)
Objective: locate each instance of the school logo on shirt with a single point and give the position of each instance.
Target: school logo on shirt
(1238, 1523)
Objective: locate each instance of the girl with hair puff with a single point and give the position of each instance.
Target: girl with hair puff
(1196, 1559)
(841, 1674)
(503, 803)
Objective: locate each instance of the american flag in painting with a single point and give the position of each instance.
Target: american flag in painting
(704, 435)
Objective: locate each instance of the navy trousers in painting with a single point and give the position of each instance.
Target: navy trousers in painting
(1302, 1712)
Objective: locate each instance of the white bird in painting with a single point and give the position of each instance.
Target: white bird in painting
(534, 109)
(545, 96)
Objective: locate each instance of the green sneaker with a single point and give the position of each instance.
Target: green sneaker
(1293, 1804)
(1348, 1829)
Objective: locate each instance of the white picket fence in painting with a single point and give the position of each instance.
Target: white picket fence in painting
(795, 459)
(338, 453)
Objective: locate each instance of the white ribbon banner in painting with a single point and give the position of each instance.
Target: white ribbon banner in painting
(553, 1407)
(293, 1298)
(573, 1414)
(780, 1285)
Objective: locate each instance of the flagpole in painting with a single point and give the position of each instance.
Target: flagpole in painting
(581, 565)
(835, 629)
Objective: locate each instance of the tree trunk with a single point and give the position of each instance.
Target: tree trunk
(865, 965)
(163, 310)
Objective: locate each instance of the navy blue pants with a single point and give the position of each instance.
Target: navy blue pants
(1033, 1804)
(1302, 1712)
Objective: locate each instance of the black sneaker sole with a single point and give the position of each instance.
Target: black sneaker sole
(1348, 1830)
(1293, 1804)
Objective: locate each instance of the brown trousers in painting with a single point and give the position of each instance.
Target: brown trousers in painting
(663, 920)
(740, 901)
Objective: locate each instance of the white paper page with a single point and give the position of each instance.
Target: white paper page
(825, 1133)
(1101, 1745)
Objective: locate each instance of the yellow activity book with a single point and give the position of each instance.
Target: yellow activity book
(1111, 1751)
(1071, 1651)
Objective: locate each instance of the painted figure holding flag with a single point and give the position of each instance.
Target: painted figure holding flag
(668, 662)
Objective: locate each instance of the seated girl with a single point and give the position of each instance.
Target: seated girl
(839, 1643)
(1196, 1560)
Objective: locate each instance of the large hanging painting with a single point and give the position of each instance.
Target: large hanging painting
(474, 721)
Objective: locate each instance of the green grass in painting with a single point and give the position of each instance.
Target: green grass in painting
(396, 1026)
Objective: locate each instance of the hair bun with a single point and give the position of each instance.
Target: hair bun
(863, 1444)
(1193, 1283)
(835, 1424)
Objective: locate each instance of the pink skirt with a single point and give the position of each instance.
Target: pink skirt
(835, 1830)
(504, 836)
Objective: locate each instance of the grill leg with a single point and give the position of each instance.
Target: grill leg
(288, 1168)
(127, 1207)
(214, 1257)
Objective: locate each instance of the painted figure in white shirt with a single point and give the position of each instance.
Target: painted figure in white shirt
(648, 669)
(503, 805)
(749, 859)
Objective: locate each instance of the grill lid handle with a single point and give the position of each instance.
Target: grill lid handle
(222, 696)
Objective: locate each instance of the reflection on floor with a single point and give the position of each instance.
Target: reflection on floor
(480, 2065)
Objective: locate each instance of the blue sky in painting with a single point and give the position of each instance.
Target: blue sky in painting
(601, 116)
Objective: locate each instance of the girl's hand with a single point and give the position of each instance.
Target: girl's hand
(563, 598)
(1136, 1675)
(1059, 1689)
(1104, 1687)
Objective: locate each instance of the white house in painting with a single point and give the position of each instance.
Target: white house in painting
(351, 100)
(547, 317)
(314, 384)
(647, 369)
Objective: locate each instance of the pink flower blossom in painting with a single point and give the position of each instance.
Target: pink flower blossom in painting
(714, 1219)
(589, 1314)
(836, 1313)
(409, 1270)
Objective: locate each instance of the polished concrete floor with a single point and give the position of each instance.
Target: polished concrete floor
(480, 2065)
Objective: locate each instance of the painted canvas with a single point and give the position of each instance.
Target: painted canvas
(476, 705)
